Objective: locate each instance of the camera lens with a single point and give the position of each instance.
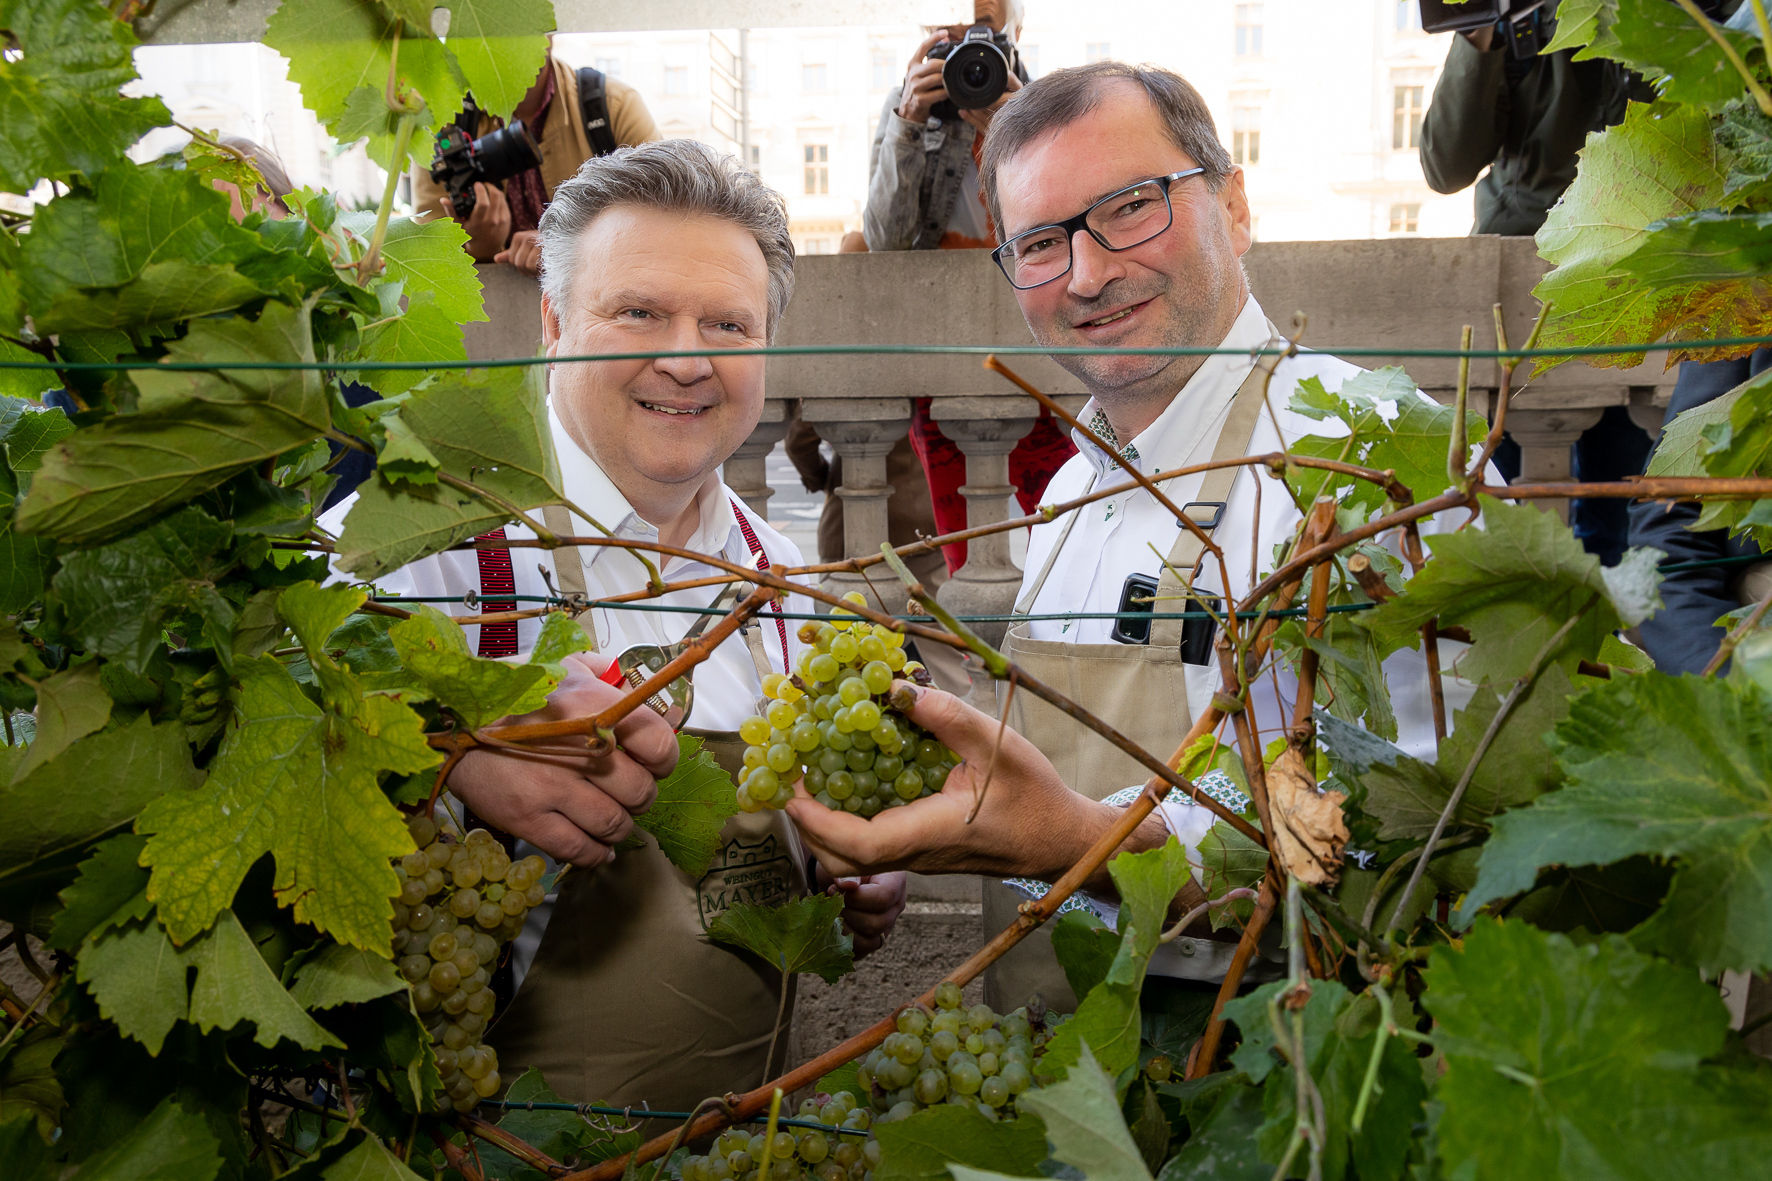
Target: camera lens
(976, 75)
(503, 153)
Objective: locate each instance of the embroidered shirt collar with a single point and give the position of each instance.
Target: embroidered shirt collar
(1187, 422)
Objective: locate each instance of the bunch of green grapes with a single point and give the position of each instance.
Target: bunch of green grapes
(461, 900)
(796, 1154)
(831, 725)
(968, 1057)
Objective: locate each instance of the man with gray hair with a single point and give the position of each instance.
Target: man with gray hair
(663, 247)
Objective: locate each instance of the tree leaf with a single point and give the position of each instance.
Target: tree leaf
(560, 637)
(340, 975)
(1672, 49)
(499, 45)
(420, 333)
(172, 1144)
(64, 115)
(298, 783)
(799, 936)
(193, 430)
(1107, 1020)
(479, 691)
(1083, 1124)
(922, 1146)
(1590, 1057)
(123, 767)
(1658, 163)
(335, 47)
(111, 889)
(1689, 777)
(1513, 583)
(489, 427)
(70, 705)
(427, 258)
(694, 803)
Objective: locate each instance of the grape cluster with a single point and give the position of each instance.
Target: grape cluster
(461, 900)
(796, 1154)
(967, 1057)
(830, 724)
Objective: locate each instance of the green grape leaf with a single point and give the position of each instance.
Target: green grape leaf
(1085, 949)
(1672, 49)
(1229, 861)
(369, 1160)
(33, 434)
(421, 333)
(694, 803)
(111, 889)
(1351, 663)
(1689, 778)
(1745, 132)
(1107, 1020)
(499, 45)
(427, 258)
(402, 455)
(70, 705)
(171, 1144)
(340, 975)
(30, 1092)
(1517, 766)
(298, 783)
(1579, 22)
(1704, 247)
(1734, 441)
(1083, 1123)
(920, 1147)
(315, 613)
(1657, 163)
(114, 600)
(1589, 1055)
(1222, 1146)
(1514, 583)
(1339, 1031)
(134, 762)
(967, 1173)
(799, 936)
(416, 13)
(335, 47)
(559, 638)
(139, 979)
(64, 115)
(489, 427)
(479, 691)
(24, 567)
(559, 1134)
(846, 1077)
(1388, 425)
(192, 431)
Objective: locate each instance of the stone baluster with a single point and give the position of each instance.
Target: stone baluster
(746, 471)
(986, 430)
(1545, 437)
(862, 431)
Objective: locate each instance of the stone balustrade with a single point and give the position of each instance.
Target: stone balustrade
(1400, 292)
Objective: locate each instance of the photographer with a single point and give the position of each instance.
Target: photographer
(923, 195)
(501, 224)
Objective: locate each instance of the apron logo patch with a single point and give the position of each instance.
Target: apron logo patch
(755, 872)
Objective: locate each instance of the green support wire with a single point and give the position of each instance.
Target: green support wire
(647, 1113)
(893, 350)
(1283, 613)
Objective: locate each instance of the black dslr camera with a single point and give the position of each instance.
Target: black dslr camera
(494, 157)
(1524, 26)
(975, 72)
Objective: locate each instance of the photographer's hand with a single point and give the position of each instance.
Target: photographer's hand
(922, 82)
(980, 117)
(489, 226)
(524, 252)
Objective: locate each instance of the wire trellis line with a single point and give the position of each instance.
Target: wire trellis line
(1277, 348)
(633, 1113)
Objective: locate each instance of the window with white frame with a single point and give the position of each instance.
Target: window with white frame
(1408, 106)
(1246, 134)
(818, 169)
(1406, 217)
(1248, 30)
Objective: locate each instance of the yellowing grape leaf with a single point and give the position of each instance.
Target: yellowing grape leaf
(693, 804)
(298, 783)
(799, 936)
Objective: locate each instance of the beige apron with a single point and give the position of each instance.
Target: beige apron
(1140, 688)
(626, 1001)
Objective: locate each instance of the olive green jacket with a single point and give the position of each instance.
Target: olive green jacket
(1523, 122)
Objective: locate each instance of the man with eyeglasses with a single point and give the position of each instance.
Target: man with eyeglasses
(1123, 223)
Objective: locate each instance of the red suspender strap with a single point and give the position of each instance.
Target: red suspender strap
(756, 548)
(497, 585)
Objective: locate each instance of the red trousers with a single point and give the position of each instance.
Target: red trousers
(1036, 458)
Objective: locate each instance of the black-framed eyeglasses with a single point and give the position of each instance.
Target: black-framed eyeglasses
(1119, 221)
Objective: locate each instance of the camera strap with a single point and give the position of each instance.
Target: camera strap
(593, 108)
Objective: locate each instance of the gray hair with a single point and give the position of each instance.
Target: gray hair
(680, 175)
(1064, 96)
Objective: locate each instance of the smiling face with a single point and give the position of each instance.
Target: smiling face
(1183, 287)
(651, 280)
